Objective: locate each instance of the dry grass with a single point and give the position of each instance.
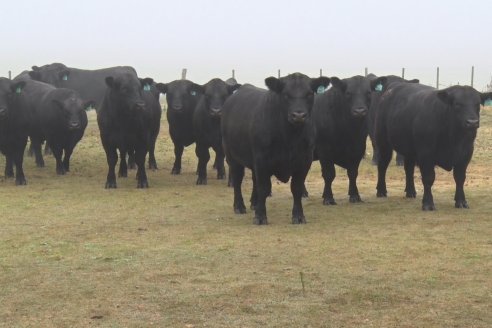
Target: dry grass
(75, 255)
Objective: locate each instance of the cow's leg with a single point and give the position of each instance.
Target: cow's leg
(18, 159)
(296, 187)
(375, 153)
(229, 180)
(263, 189)
(152, 161)
(219, 162)
(353, 172)
(140, 153)
(123, 171)
(9, 167)
(178, 153)
(112, 158)
(237, 173)
(131, 159)
(66, 157)
(47, 149)
(30, 151)
(383, 162)
(459, 174)
(254, 192)
(428, 176)
(36, 146)
(400, 159)
(409, 164)
(57, 153)
(203, 155)
(328, 172)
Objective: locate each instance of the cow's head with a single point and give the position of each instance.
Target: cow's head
(356, 93)
(71, 109)
(181, 95)
(215, 93)
(296, 92)
(55, 74)
(383, 83)
(7, 91)
(464, 102)
(126, 91)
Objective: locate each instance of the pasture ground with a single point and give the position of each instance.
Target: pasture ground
(73, 254)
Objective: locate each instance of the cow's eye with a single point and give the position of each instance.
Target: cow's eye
(193, 92)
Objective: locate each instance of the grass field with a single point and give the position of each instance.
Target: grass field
(73, 254)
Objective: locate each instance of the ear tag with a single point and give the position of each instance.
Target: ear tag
(487, 102)
(65, 77)
(193, 92)
(378, 87)
(18, 90)
(146, 87)
(321, 89)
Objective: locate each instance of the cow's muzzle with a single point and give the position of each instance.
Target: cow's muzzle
(472, 124)
(298, 117)
(359, 112)
(215, 112)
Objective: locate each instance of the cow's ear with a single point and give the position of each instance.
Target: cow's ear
(414, 81)
(35, 75)
(162, 87)
(233, 88)
(319, 84)
(379, 84)
(274, 84)
(17, 87)
(196, 88)
(486, 98)
(63, 75)
(445, 97)
(88, 105)
(339, 84)
(110, 82)
(35, 68)
(146, 83)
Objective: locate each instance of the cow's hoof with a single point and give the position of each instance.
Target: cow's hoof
(240, 209)
(122, 174)
(142, 184)
(20, 182)
(110, 185)
(374, 162)
(355, 199)
(201, 181)
(298, 219)
(152, 166)
(175, 171)
(411, 194)
(9, 174)
(40, 164)
(461, 204)
(428, 207)
(329, 201)
(60, 171)
(305, 194)
(260, 220)
(220, 176)
(253, 207)
(381, 194)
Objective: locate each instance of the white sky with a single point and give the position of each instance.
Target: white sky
(254, 37)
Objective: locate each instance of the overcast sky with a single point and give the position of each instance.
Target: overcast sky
(254, 37)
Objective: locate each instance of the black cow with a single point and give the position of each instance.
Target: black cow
(90, 84)
(182, 97)
(151, 98)
(339, 117)
(429, 127)
(271, 132)
(373, 108)
(125, 125)
(206, 126)
(14, 125)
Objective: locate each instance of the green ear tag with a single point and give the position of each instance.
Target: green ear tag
(378, 87)
(18, 90)
(146, 87)
(193, 92)
(487, 102)
(65, 77)
(321, 89)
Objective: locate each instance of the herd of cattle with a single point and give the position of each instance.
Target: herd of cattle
(277, 131)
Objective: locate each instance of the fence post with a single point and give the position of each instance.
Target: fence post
(233, 74)
(365, 71)
(403, 72)
(10, 75)
(183, 74)
(320, 72)
(437, 79)
(472, 75)
(279, 74)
